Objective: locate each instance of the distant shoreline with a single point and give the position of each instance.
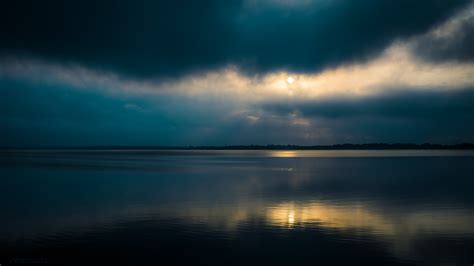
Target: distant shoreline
(368, 146)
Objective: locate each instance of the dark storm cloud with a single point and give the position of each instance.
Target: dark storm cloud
(457, 45)
(140, 37)
(174, 37)
(415, 116)
(47, 114)
(411, 104)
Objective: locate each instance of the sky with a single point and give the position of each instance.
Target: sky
(236, 72)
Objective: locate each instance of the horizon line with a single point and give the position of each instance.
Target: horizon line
(342, 146)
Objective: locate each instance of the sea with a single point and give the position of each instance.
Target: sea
(237, 207)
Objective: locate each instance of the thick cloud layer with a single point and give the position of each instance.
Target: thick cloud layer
(50, 114)
(454, 41)
(405, 104)
(163, 38)
(236, 72)
(55, 115)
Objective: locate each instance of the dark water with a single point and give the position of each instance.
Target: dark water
(237, 207)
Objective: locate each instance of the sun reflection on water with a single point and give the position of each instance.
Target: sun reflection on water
(286, 154)
(322, 215)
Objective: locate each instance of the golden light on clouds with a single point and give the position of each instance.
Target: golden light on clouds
(396, 68)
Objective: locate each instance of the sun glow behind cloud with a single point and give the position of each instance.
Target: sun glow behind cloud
(230, 99)
(396, 67)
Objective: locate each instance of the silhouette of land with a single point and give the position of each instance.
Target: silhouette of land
(346, 146)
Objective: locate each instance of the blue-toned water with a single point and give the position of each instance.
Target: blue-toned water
(237, 207)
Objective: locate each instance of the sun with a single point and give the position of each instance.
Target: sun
(290, 80)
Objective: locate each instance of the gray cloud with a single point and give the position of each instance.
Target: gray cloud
(41, 114)
(411, 116)
(401, 103)
(454, 41)
(100, 73)
(163, 38)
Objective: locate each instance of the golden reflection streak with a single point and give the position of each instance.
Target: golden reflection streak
(360, 217)
(336, 217)
(286, 154)
(315, 214)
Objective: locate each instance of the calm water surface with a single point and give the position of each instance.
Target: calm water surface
(237, 207)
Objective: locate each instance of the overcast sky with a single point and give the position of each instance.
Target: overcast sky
(230, 72)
